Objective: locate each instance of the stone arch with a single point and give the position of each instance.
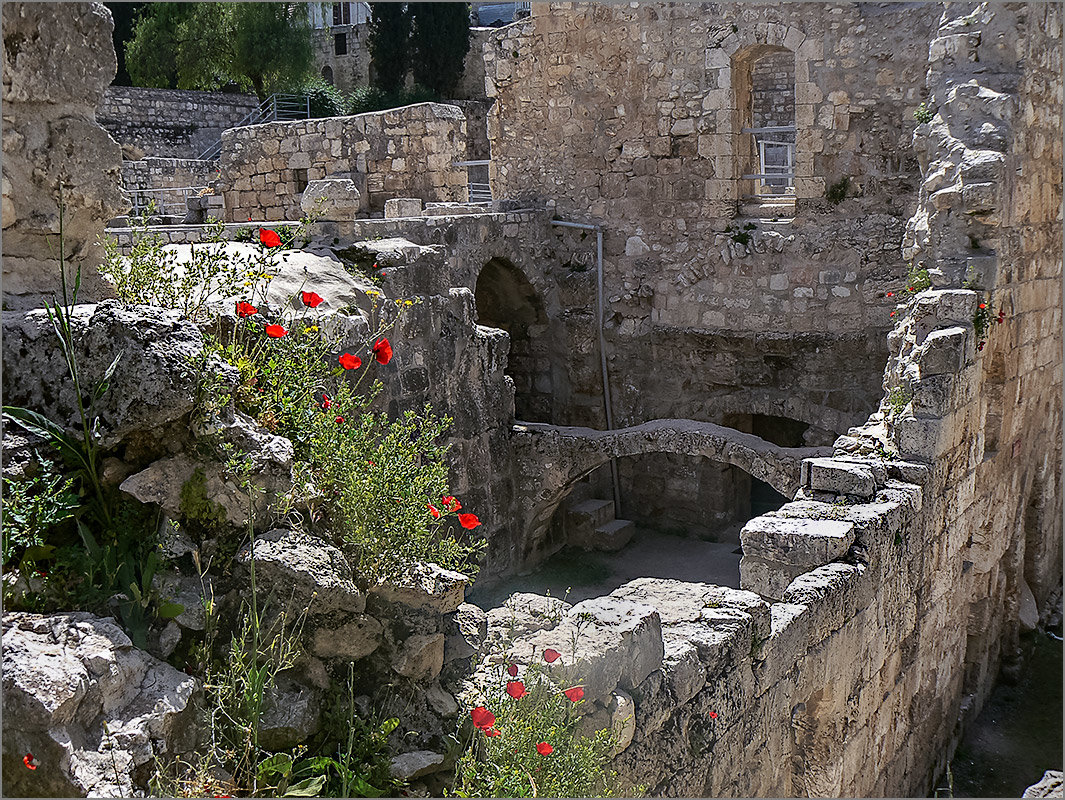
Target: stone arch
(327, 74)
(551, 460)
(506, 299)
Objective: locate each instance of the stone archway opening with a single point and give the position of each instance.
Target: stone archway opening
(507, 300)
(764, 85)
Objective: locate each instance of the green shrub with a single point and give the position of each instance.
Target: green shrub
(837, 192)
(526, 742)
(923, 114)
(325, 99)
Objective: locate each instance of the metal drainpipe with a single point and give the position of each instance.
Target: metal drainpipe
(607, 405)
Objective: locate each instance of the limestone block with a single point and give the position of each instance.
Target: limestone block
(64, 676)
(635, 246)
(767, 578)
(524, 614)
(425, 586)
(918, 438)
(420, 657)
(1050, 785)
(357, 638)
(619, 715)
(403, 207)
(407, 766)
(797, 542)
(469, 632)
(829, 594)
(979, 198)
(606, 642)
(303, 569)
(154, 382)
(841, 477)
(290, 715)
(335, 199)
(942, 352)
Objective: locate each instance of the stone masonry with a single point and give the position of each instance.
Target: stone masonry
(170, 123)
(404, 152)
(54, 75)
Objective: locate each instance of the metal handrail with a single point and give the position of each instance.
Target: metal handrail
(273, 108)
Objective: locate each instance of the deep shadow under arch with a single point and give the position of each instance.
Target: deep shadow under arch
(507, 300)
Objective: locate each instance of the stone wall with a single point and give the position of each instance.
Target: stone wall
(170, 123)
(471, 84)
(773, 89)
(403, 152)
(57, 63)
(159, 179)
(351, 70)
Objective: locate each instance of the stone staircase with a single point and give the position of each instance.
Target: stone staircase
(591, 525)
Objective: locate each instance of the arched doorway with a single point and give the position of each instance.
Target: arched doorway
(507, 300)
(327, 74)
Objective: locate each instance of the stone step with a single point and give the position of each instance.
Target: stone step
(597, 512)
(614, 535)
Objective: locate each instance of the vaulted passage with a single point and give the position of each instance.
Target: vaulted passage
(506, 300)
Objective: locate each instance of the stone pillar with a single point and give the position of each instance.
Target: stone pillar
(58, 60)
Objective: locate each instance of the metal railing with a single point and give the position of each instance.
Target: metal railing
(171, 201)
(477, 191)
(273, 108)
(776, 161)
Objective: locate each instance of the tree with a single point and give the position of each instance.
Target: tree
(389, 42)
(124, 15)
(440, 39)
(262, 46)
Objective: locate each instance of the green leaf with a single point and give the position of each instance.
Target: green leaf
(40, 552)
(40, 425)
(277, 764)
(168, 610)
(389, 725)
(94, 549)
(309, 788)
(360, 788)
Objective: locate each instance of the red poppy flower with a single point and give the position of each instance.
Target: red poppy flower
(893, 313)
(544, 749)
(492, 732)
(909, 288)
(516, 689)
(275, 331)
(512, 670)
(712, 715)
(340, 420)
(326, 402)
(983, 305)
(574, 694)
(890, 294)
(29, 761)
(551, 656)
(269, 237)
(451, 503)
(980, 346)
(434, 511)
(382, 351)
(469, 521)
(482, 718)
(375, 265)
(311, 299)
(348, 361)
(246, 309)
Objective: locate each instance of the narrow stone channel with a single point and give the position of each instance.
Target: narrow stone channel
(1018, 735)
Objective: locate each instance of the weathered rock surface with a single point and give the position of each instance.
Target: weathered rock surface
(407, 766)
(303, 570)
(425, 586)
(333, 198)
(290, 715)
(92, 709)
(154, 382)
(58, 59)
(168, 482)
(1049, 785)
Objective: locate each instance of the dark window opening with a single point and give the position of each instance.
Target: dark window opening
(506, 300)
(340, 44)
(301, 180)
(341, 14)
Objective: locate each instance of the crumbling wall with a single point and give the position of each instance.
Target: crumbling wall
(170, 123)
(159, 179)
(628, 117)
(54, 74)
(403, 152)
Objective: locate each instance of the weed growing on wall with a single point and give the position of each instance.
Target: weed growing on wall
(526, 740)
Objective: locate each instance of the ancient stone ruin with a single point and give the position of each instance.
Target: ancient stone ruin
(781, 279)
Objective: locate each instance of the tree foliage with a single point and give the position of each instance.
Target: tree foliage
(440, 39)
(265, 47)
(389, 38)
